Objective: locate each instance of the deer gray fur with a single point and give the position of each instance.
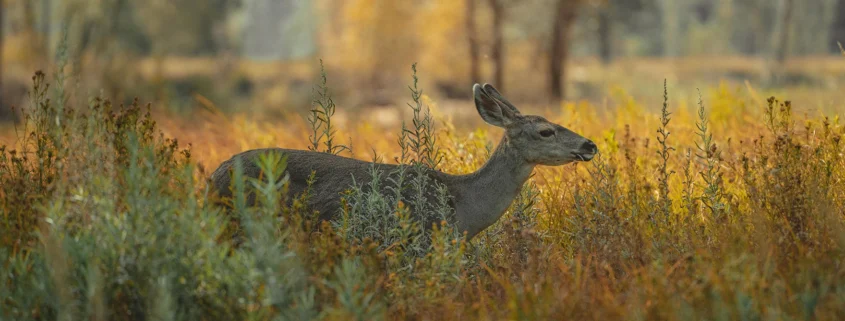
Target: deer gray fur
(479, 198)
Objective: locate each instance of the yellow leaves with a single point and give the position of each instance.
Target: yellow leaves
(442, 37)
(383, 37)
(380, 33)
(726, 107)
(612, 145)
(435, 111)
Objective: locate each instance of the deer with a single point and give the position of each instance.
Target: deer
(478, 199)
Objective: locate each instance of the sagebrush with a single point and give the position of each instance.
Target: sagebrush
(737, 214)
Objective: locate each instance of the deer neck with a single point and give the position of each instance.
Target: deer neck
(484, 195)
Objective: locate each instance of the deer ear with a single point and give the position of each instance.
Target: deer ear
(498, 96)
(490, 110)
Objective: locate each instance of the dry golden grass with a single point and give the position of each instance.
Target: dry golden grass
(750, 225)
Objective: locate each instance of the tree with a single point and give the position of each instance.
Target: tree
(785, 17)
(2, 13)
(380, 40)
(472, 42)
(671, 27)
(750, 27)
(605, 32)
(837, 32)
(46, 26)
(182, 27)
(564, 18)
(498, 50)
(30, 27)
(265, 36)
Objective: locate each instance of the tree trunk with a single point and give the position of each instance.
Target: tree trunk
(472, 41)
(785, 24)
(2, 13)
(837, 32)
(605, 49)
(559, 50)
(47, 27)
(265, 36)
(671, 27)
(497, 52)
(31, 30)
(752, 41)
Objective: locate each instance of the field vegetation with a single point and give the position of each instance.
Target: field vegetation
(729, 207)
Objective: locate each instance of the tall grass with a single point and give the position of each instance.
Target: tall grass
(104, 218)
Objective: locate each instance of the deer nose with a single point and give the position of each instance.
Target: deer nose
(589, 147)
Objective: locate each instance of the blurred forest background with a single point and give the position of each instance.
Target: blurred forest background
(260, 56)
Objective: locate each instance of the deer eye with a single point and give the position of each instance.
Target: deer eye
(547, 132)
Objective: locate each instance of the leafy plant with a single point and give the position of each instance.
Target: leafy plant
(105, 218)
(320, 118)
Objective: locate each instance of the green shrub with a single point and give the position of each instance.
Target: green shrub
(106, 219)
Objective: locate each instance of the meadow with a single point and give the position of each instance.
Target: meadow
(718, 203)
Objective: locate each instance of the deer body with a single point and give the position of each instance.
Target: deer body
(479, 199)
